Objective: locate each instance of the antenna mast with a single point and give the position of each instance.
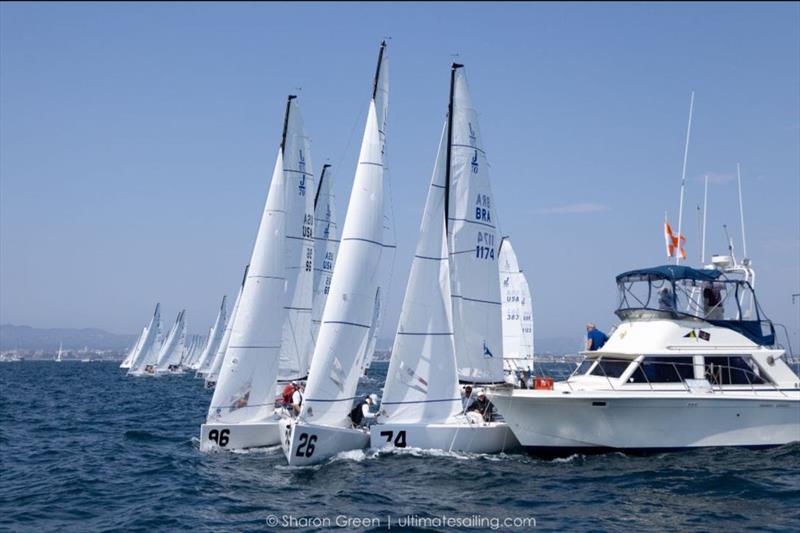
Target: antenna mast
(683, 178)
(741, 209)
(705, 214)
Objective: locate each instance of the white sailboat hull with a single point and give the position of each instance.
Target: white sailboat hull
(553, 423)
(307, 444)
(241, 436)
(492, 437)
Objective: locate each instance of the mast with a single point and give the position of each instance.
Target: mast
(321, 178)
(683, 178)
(453, 69)
(378, 72)
(705, 214)
(741, 210)
(286, 121)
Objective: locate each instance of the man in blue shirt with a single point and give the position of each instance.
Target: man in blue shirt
(595, 339)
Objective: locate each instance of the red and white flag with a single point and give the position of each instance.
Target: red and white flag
(675, 244)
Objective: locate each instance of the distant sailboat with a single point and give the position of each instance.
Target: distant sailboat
(323, 428)
(60, 354)
(214, 339)
(271, 330)
(126, 363)
(211, 376)
(517, 311)
(145, 359)
(452, 290)
(174, 346)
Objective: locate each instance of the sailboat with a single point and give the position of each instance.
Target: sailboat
(453, 290)
(517, 311)
(60, 354)
(323, 428)
(144, 361)
(173, 349)
(271, 329)
(126, 363)
(214, 339)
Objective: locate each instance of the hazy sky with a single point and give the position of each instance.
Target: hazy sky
(137, 141)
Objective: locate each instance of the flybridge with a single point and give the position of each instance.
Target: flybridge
(677, 291)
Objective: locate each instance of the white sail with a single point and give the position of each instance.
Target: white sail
(246, 384)
(517, 311)
(326, 247)
(172, 349)
(151, 345)
(60, 353)
(126, 363)
(346, 320)
(422, 381)
(299, 246)
(216, 365)
(214, 338)
(472, 236)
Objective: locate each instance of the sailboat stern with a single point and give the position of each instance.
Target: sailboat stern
(240, 436)
(307, 444)
(490, 437)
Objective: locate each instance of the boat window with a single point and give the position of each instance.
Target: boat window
(732, 370)
(610, 368)
(584, 367)
(665, 369)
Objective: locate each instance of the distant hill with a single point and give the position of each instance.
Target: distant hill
(27, 338)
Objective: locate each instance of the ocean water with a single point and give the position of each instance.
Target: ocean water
(85, 448)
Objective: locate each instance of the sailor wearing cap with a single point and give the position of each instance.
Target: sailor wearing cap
(361, 413)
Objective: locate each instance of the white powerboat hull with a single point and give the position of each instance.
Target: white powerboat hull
(492, 437)
(554, 423)
(307, 444)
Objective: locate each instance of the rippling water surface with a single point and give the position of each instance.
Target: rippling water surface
(83, 447)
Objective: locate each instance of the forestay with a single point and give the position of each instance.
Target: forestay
(299, 245)
(245, 388)
(517, 310)
(473, 244)
(422, 383)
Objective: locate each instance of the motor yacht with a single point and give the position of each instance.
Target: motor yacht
(693, 363)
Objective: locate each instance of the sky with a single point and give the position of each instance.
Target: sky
(137, 142)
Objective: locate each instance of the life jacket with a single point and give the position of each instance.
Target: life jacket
(357, 414)
(288, 390)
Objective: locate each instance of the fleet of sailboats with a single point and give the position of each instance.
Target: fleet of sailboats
(311, 301)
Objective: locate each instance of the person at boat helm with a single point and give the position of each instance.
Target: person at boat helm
(483, 406)
(595, 339)
(467, 399)
(360, 415)
(297, 397)
(665, 300)
(287, 393)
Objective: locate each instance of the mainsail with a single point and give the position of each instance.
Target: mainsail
(246, 383)
(472, 238)
(345, 332)
(517, 311)
(326, 246)
(299, 192)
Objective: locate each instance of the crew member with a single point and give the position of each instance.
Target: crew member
(360, 413)
(595, 339)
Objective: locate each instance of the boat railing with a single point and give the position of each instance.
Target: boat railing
(713, 373)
